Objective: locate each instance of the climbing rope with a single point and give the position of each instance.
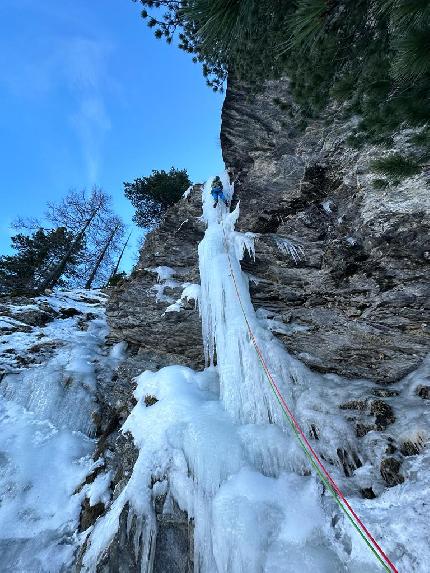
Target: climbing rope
(313, 457)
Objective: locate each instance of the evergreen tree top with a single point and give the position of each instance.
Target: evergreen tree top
(372, 55)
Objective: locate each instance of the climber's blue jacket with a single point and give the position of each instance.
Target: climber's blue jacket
(217, 193)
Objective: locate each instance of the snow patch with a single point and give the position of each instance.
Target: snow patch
(328, 206)
(164, 281)
(47, 399)
(191, 291)
(187, 192)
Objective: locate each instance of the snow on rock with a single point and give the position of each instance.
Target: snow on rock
(327, 205)
(9, 323)
(164, 278)
(47, 399)
(41, 466)
(163, 273)
(98, 491)
(268, 320)
(190, 291)
(186, 193)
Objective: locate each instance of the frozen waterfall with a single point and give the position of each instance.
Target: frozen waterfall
(216, 443)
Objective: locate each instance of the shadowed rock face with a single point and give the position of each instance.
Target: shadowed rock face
(136, 316)
(353, 288)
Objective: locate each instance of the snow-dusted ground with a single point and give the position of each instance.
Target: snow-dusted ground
(217, 442)
(47, 398)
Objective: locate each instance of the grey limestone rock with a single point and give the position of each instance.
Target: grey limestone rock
(344, 265)
(136, 316)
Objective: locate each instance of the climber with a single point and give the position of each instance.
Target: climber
(217, 191)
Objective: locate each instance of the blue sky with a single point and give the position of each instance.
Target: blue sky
(89, 96)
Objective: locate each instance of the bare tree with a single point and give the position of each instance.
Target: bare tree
(95, 231)
(79, 206)
(115, 270)
(117, 227)
(53, 277)
(29, 224)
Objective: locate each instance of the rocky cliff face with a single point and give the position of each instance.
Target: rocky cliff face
(340, 276)
(136, 308)
(342, 265)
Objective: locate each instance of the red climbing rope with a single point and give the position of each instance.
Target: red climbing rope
(304, 442)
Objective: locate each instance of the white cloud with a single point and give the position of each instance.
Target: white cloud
(74, 68)
(91, 123)
(86, 74)
(85, 62)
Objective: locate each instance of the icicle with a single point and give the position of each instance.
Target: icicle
(244, 390)
(286, 246)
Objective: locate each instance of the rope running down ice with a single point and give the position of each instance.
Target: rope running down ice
(306, 446)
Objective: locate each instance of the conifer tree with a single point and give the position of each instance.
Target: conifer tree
(153, 195)
(371, 55)
(36, 255)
